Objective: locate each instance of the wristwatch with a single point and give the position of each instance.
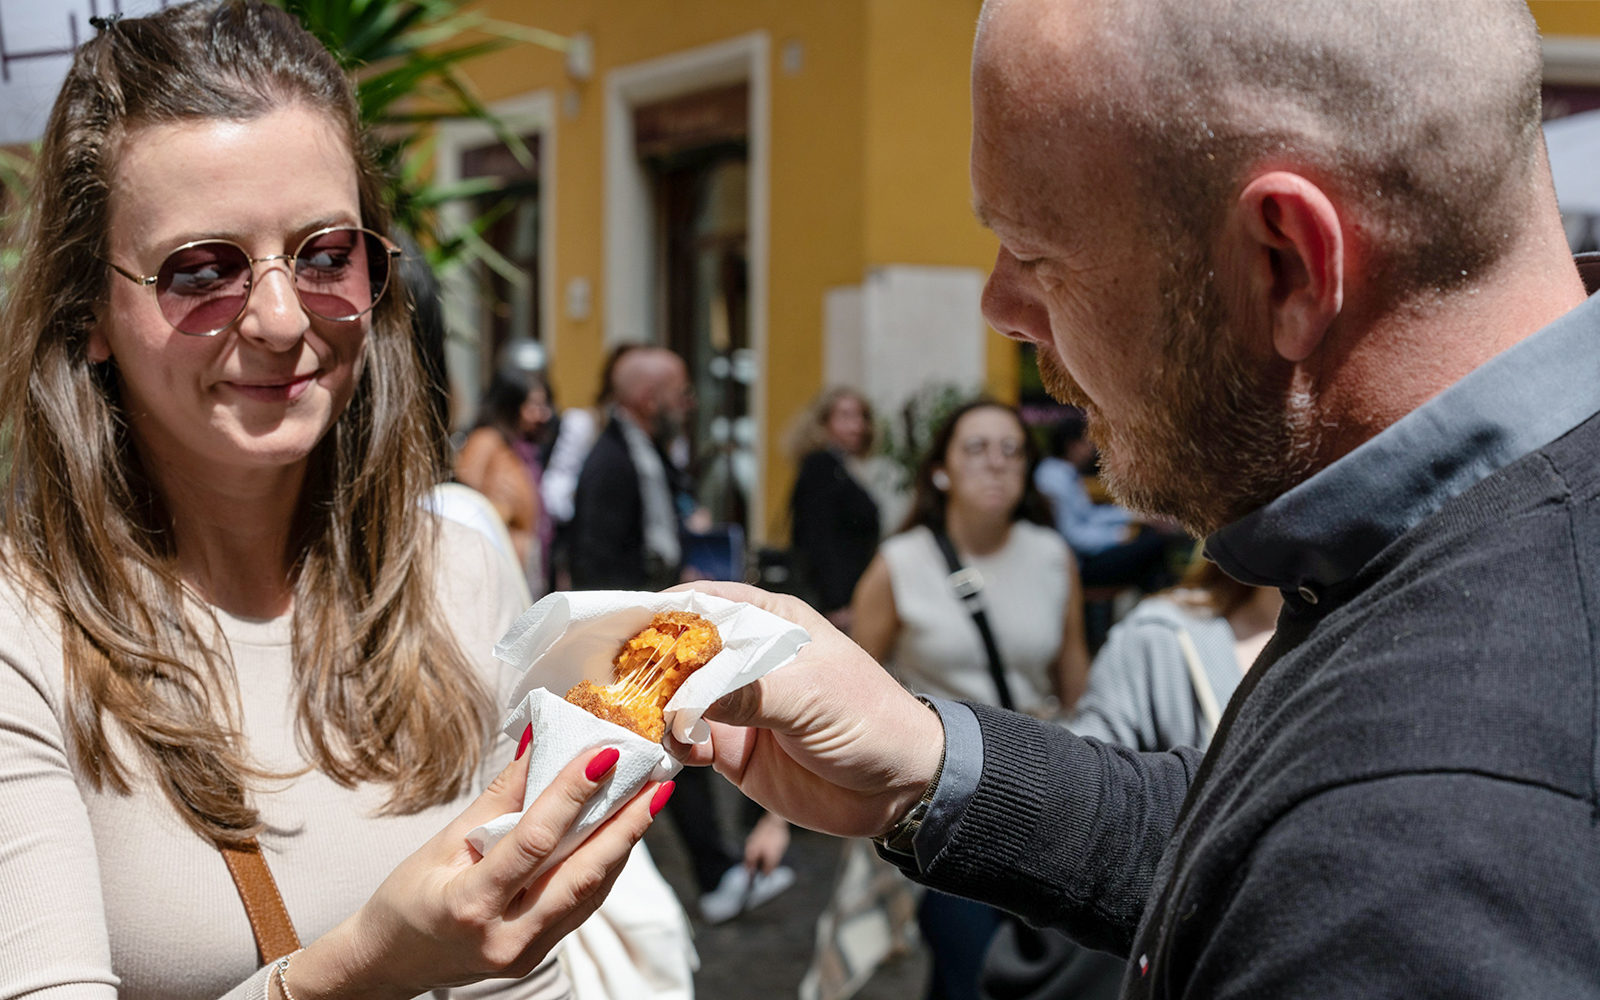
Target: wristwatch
(900, 840)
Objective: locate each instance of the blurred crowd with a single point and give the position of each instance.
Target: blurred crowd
(250, 583)
(998, 572)
(600, 498)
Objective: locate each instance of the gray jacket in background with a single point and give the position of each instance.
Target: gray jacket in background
(1140, 694)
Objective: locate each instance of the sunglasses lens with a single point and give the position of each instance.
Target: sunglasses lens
(202, 288)
(341, 273)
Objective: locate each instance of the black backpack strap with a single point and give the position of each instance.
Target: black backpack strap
(968, 584)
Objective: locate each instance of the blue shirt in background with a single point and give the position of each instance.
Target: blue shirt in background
(1088, 527)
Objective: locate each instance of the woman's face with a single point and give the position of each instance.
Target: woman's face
(986, 462)
(261, 393)
(535, 412)
(847, 425)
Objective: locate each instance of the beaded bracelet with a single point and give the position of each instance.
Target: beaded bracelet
(281, 967)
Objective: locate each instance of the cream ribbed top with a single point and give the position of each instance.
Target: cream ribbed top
(104, 895)
(939, 650)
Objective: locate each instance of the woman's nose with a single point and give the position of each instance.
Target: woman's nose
(274, 316)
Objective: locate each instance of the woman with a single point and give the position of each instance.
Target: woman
(975, 487)
(834, 516)
(500, 460)
(1160, 681)
(1169, 668)
(222, 617)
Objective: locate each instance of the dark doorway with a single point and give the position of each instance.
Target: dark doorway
(696, 149)
(509, 259)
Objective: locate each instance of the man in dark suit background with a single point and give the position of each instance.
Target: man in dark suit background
(626, 535)
(625, 515)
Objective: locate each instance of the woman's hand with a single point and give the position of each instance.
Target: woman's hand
(831, 741)
(445, 917)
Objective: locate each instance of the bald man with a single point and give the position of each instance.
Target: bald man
(625, 527)
(1302, 265)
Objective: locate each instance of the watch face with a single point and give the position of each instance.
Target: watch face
(903, 834)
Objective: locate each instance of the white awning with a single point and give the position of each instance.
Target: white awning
(36, 41)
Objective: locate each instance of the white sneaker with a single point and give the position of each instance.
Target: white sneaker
(740, 891)
(767, 885)
(726, 901)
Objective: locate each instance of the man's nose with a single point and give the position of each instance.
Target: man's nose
(1010, 307)
(274, 316)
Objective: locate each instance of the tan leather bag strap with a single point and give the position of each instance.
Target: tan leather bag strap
(269, 920)
(1203, 691)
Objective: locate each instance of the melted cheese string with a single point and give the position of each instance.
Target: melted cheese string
(636, 687)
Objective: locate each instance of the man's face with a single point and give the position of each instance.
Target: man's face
(1192, 413)
(673, 398)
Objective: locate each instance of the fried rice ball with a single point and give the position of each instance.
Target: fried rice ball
(648, 671)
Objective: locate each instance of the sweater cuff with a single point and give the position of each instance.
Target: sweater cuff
(1025, 764)
(963, 764)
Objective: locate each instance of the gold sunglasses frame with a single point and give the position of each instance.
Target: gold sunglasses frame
(149, 280)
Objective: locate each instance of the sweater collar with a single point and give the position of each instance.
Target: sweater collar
(1323, 531)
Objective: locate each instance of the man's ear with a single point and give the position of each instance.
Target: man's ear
(1296, 256)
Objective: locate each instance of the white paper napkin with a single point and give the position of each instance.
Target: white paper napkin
(571, 637)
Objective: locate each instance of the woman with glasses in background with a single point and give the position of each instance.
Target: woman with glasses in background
(225, 631)
(975, 505)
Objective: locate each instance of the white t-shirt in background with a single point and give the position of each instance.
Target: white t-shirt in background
(939, 651)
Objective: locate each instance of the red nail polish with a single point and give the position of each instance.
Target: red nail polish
(602, 763)
(522, 746)
(658, 802)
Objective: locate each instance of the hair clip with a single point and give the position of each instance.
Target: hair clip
(105, 23)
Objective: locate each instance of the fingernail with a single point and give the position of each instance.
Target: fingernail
(659, 801)
(603, 762)
(522, 746)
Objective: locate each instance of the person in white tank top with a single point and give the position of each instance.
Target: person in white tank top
(976, 486)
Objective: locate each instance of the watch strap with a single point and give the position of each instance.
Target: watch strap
(900, 839)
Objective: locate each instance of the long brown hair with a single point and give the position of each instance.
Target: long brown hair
(1206, 588)
(383, 692)
(809, 431)
(928, 502)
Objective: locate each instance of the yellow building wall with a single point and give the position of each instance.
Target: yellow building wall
(1566, 17)
(868, 166)
(918, 132)
(868, 162)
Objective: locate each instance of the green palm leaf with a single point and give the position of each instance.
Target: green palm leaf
(407, 57)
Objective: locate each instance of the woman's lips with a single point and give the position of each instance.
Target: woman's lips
(274, 392)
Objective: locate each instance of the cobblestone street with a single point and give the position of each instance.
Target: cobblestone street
(763, 954)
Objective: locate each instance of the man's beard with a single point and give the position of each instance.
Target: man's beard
(1215, 435)
(669, 424)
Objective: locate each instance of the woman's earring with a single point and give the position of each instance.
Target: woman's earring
(941, 480)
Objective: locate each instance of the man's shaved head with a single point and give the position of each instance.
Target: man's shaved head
(640, 370)
(650, 383)
(1423, 114)
(1114, 148)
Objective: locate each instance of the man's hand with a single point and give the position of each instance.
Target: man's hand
(831, 741)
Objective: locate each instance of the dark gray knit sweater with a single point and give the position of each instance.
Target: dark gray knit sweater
(1401, 800)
